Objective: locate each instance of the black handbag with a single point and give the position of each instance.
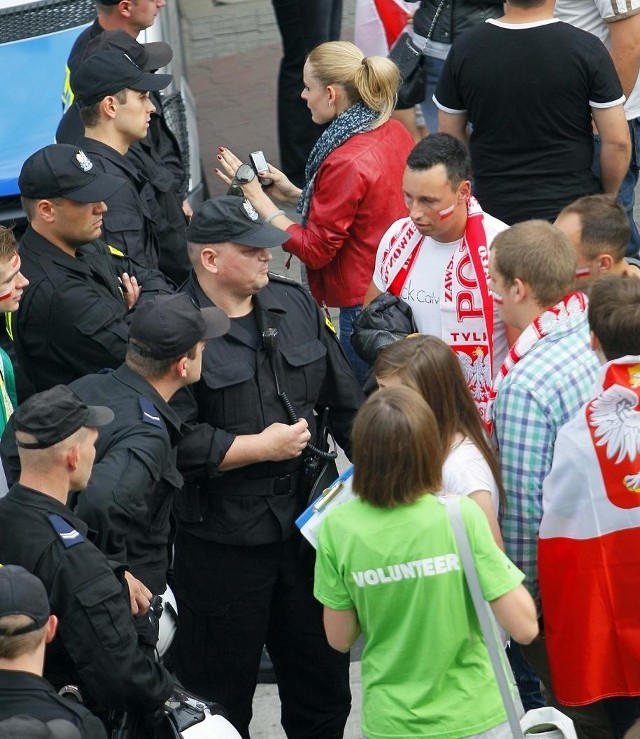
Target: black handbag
(410, 61)
(386, 319)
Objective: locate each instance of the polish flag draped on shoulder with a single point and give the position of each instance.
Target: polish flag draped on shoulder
(589, 546)
(378, 23)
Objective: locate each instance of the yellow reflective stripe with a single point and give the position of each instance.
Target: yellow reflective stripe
(329, 324)
(67, 92)
(8, 322)
(115, 252)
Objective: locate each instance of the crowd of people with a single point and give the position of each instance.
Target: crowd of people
(165, 397)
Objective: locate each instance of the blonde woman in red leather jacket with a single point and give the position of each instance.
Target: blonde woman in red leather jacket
(353, 189)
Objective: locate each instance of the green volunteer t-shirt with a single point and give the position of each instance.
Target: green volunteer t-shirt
(425, 668)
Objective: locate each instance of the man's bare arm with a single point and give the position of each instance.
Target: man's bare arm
(615, 150)
(625, 49)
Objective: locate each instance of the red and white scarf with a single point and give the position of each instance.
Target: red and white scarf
(553, 319)
(466, 302)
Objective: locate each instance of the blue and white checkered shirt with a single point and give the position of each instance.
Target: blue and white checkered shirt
(540, 394)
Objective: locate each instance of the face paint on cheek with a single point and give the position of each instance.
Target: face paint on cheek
(582, 272)
(497, 298)
(446, 212)
(14, 264)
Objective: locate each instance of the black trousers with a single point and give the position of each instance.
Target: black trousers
(234, 599)
(303, 24)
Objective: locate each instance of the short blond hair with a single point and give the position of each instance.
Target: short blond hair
(7, 244)
(540, 255)
(12, 646)
(372, 80)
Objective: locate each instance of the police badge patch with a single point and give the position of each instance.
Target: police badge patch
(83, 161)
(250, 210)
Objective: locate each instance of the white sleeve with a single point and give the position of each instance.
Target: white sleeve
(613, 10)
(383, 247)
(465, 471)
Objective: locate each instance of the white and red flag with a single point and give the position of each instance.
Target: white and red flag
(378, 23)
(589, 545)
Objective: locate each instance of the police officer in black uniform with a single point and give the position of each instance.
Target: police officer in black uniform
(24, 609)
(166, 207)
(129, 20)
(74, 319)
(129, 496)
(112, 95)
(97, 646)
(243, 577)
(128, 499)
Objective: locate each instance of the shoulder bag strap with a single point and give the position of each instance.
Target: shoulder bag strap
(494, 647)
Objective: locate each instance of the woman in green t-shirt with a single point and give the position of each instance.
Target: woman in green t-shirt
(388, 567)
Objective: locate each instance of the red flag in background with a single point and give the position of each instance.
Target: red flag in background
(378, 24)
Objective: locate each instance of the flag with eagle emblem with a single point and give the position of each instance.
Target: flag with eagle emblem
(589, 544)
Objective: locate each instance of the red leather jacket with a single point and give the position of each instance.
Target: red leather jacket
(356, 197)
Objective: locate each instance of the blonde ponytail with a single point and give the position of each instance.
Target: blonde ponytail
(371, 80)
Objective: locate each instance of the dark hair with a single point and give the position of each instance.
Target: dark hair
(428, 365)
(150, 368)
(614, 315)
(441, 148)
(604, 226)
(90, 114)
(397, 453)
(540, 255)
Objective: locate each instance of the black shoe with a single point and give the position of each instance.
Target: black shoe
(266, 673)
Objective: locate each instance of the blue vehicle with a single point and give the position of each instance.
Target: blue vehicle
(35, 41)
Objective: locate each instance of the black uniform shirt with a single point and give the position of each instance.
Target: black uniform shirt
(128, 499)
(73, 319)
(26, 694)
(237, 395)
(129, 223)
(96, 646)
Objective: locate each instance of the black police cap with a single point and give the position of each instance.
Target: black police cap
(148, 57)
(22, 594)
(169, 325)
(55, 414)
(108, 72)
(64, 170)
(230, 218)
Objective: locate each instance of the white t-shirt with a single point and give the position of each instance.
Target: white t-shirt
(423, 286)
(595, 16)
(465, 471)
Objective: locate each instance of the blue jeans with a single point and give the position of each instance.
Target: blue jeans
(432, 69)
(626, 195)
(526, 678)
(347, 317)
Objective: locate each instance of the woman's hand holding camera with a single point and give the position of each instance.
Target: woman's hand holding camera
(282, 188)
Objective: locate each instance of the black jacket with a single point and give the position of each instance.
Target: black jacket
(258, 503)
(26, 694)
(73, 319)
(129, 224)
(134, 478)
(455, 17)
(97, 645)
